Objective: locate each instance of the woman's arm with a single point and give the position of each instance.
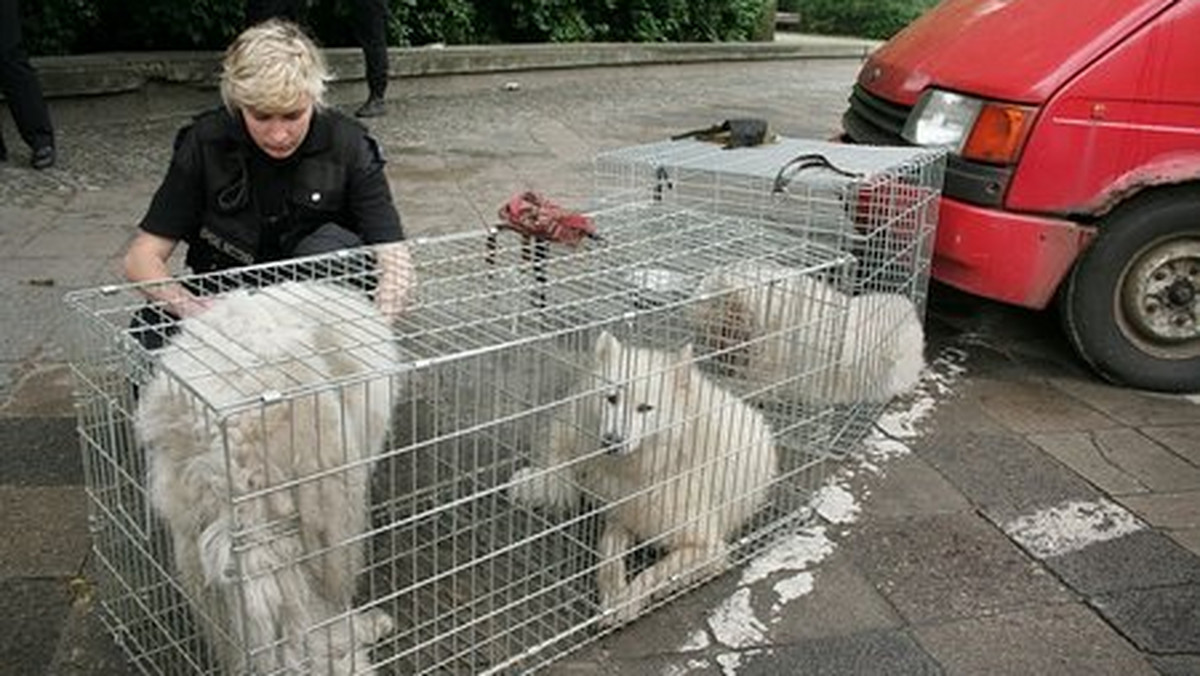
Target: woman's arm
(378, 221)
(146, 261)
(397, 278)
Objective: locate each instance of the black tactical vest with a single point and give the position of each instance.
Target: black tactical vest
(231, 227)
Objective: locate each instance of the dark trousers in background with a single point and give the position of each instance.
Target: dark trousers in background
(20, 84)
(258, 11)
(370, 27)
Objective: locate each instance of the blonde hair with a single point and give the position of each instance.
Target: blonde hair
(272, 67)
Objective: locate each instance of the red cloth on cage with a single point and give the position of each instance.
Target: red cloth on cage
(531, 214)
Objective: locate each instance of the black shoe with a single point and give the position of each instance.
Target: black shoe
(43, 158)
(374, 107)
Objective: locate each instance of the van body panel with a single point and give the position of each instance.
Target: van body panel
(1020, 51)
(1014, 258)
(1128, 121)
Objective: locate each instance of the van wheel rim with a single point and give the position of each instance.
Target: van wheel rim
(1161, 295)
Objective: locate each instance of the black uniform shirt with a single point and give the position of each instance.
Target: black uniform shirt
(277, 200)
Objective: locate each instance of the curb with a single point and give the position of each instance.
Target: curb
(123, 73)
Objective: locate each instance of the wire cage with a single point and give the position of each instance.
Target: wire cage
(496, 477)
(876, 204)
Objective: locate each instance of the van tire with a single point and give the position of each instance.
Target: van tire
(1131, 305)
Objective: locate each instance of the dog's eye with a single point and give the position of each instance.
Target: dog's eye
(644, 408)
(612, 399)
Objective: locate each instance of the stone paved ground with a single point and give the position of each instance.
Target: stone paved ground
(1032, 521)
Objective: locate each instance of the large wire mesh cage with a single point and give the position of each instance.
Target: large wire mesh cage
(546, 443)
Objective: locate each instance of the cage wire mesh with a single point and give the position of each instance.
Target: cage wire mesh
(877, 204)
(530, 491)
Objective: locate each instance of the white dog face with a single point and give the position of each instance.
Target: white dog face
(643, 393)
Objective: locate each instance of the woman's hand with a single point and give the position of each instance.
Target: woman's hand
(397, 279)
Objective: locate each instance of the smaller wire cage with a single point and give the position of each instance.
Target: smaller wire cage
(878, 205)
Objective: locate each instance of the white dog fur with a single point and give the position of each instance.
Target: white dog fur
(788, 331)
(287, 593)
(679, 462)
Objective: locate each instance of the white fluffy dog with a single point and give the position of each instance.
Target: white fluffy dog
(781, 329)
(265, 495)
(680, 463)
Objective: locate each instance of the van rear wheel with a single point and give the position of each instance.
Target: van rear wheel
(1131, 305)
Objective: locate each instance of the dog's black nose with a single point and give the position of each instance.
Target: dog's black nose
(612, 442)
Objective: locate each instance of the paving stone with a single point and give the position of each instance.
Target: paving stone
(1173, 511)
(1184, 440)
(909, 486)
(883, 653)
(1005, 476)
(1064, 640)
(1190, 539)
(1130, 407)
(41, 389)
(1080, 452)
(842, 602)
(86, 648)
(621, 665)
(32, 612)
(1028, 406)
(1159, 620)
(39, 452)
(950, 566)
(667, 629)
(1146, 460)
(1176, 665)
(44, 531)
(1140, 560)
(954, 416)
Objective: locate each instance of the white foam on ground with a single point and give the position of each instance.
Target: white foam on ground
(734, 623)
(697, 640)
(1071, 526)
(791, 588)
(797, 551)
(836, 504)
(789, 562)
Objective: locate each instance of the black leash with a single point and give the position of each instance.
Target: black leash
(807, 161)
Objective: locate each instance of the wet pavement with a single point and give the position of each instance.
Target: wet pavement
(1015, 516)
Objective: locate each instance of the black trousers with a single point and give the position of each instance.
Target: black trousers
(258, 11)
(370, 27)
(19, 82)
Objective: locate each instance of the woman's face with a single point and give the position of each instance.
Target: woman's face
(279, 134)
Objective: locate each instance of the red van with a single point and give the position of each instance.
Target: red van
(1074, 171)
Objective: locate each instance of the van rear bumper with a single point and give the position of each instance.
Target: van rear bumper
(1013, 258)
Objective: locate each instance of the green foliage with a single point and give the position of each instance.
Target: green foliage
(57, 26)
(75, 26)
(863, 18)
(420, 22)
(164, 24)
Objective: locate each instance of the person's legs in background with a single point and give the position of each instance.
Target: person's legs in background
(258, 11)
(21, 88)
(370, 26)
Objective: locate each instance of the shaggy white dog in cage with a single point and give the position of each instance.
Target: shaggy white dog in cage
(678, 461)
(793, 336)
(266, 502)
